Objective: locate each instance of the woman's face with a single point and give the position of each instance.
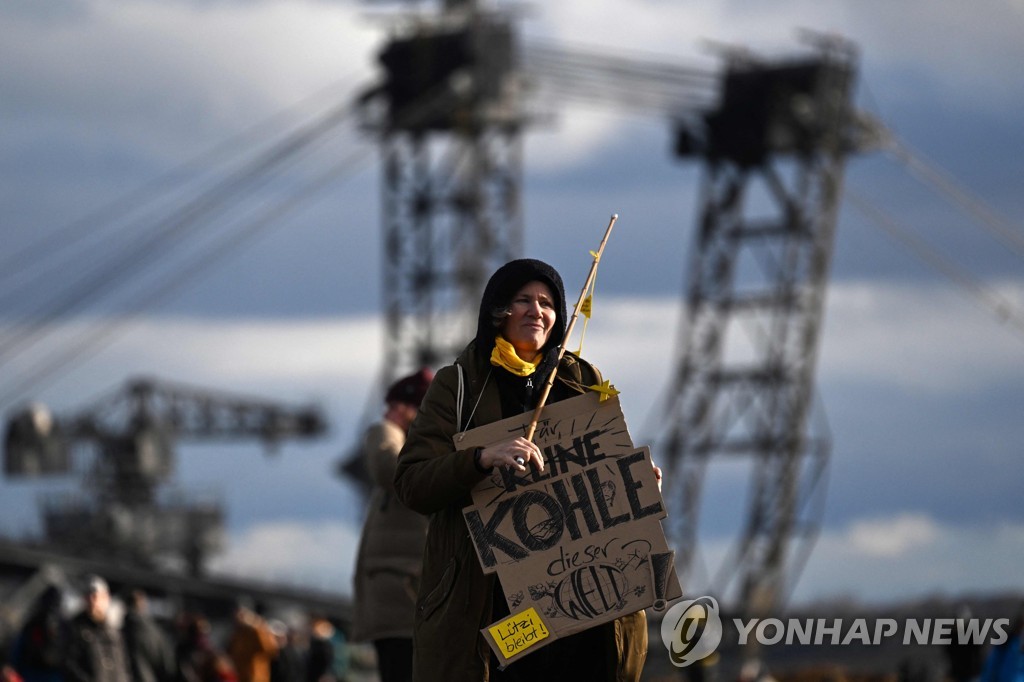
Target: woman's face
(531, 320)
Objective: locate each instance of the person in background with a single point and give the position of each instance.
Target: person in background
(38, 651)
(320, 656)
(500, 374)
(150, 653)
(1005, 662)
(390, 554)
(96, 652)
(965, 658)
(252, 645)
(289, 664)
(197, 658)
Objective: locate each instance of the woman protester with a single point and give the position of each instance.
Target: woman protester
(500, 374)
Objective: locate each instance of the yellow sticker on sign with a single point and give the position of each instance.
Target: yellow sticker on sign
(519, 632)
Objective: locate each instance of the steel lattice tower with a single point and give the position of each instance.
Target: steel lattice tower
(775, 152)
(449, 124)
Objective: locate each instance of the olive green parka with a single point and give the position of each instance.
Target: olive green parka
(435, 478)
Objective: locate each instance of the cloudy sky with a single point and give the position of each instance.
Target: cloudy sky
(107, 103)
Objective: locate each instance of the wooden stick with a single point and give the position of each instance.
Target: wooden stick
(568, 330)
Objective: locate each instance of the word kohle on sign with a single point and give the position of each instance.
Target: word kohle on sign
(579, 543)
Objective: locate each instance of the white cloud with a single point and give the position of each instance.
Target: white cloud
(913, 555)
(562, 145)
(919, 337)
(892, 538)
(317, 555)
(328, 358)
(164, 77)
(619, 25)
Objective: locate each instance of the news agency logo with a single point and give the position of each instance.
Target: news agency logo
(691, 630)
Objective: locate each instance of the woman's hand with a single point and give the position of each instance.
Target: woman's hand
(512, 454)
(657, 474)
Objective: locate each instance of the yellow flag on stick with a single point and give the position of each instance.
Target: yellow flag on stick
(605, 388)
(585, 308)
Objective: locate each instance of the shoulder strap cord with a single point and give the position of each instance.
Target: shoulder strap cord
(460, 396)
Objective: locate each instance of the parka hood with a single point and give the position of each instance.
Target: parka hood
(503, 285)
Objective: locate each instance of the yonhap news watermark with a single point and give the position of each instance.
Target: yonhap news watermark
(693, 629)
(862, 631)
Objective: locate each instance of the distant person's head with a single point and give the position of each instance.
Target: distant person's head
(97, 598)
(245, 610)
(195, 628)
(137, 602)
(50, 601)
(403, 397)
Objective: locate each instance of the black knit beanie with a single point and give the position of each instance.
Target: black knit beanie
(503, 285)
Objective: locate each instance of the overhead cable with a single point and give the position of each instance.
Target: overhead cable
(646, 84)
(1010, 235)
(87, 344)
(32, 258)
(1004, 310)
(169, 232)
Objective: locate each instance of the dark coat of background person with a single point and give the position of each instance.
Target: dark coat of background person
(388, 564)
(390, 557)
(150, 652)
(96, 652)
(289, 665)
(38, 652)
(320, 659)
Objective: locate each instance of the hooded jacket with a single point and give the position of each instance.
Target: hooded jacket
(435, 478)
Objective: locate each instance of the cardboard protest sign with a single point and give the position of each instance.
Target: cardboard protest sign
(575, 545)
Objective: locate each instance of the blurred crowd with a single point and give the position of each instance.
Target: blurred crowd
(98, 643)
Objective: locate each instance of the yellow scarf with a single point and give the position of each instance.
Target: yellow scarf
(504, 356)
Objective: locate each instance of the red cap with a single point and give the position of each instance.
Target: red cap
(410, 389)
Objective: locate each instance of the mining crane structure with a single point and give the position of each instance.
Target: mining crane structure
(448, 117)
(774, 151)
(127, 512)
(773, 137)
